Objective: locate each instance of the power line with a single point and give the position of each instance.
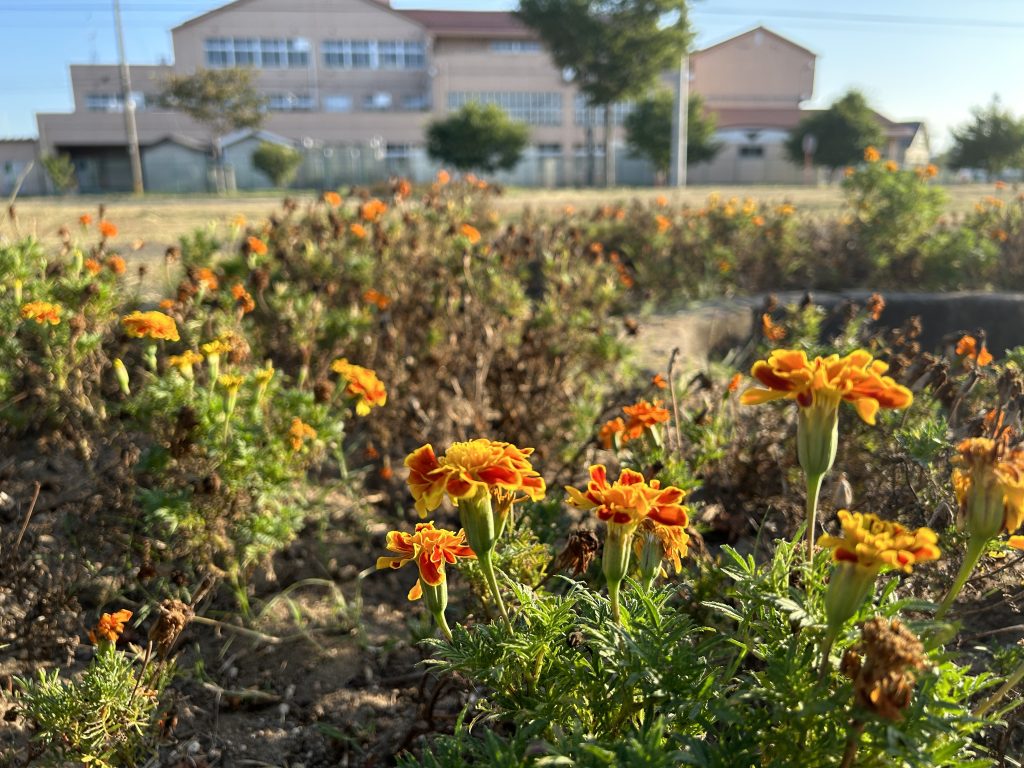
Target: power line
(860, 18)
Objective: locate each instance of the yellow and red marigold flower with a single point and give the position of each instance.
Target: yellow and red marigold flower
(874, 544)
(856, 378)
(968, 347)
(299, 432)
(470, 467)
(671, 540)
(471, 233)
(256, 245)
(116, 265)
(629, 500)
(770, 330)
(153, 325)
(110, 626)
(362, 384)
(988, 479)
(373, 209)
(430, 548)
(108, 229)
(643, 414)
(42, 312)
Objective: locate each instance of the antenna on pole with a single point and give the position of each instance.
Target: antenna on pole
(129, 106)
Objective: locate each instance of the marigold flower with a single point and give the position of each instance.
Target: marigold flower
(256, 245)
(786, 209)
(891, 166)
(758, 221)
(1000, 185)
(299, 432)
(967, 347)
(663, 223)
(362, 384)
(659, 381)
(874, 544)
(876, 305)
(207, 277)
(403, 188)
(93, 267)
(217, 347)
(108, 229)
(265, 374)
(116, 265)
(85, 219)
(373, 296)
(931, 171)
(610, 430)
(471, 233)
(358, 230)
(230, 382)
(988, 478)
(373, 209)
(42, 312)
(654, 543)
(661, 201)
(735, 381)
(110, 627)
(238, 222)
(430, 548)
(153, 325)
(770, 330)
(645, 415)
(167, 304)
(333, 199)
(443, 177)
(848, 171)
(243, 298)
(871, 155)
(185, 362)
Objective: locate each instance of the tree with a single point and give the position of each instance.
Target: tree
(649, 130)
(614, 49)
(478, 137)
(842, 133)
(994, 140)
(61, 170)
(224, 100)
(278, 162)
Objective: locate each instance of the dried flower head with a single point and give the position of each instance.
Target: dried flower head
(174, 617)
(882, 667)
(580, 550)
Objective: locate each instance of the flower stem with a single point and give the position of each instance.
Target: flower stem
(852, 744)
(813, 491)
(487, 568)
(613, 598)
(975, 546)
(826, 650)
(1005, 688)
(442, 624)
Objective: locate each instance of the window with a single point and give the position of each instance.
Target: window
(595, 115)
(361, 58)
(219, 52)
(416, 102)
(751, 151)
(516, 46)
(266, 53)
(272, 53)
(549, 150)
(374, 54)
(334, 53)
(528, 107)
(247, 52)
(113, 102)
(379, 101)
(388, 55)
(298, 53)
(289, 102)
(395, 151)
(415, 55)
(338, 103)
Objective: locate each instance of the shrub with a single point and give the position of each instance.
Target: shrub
(278, 162)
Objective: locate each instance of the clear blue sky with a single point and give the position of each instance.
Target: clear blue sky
(915, 59)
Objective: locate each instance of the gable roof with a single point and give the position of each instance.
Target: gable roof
(383, 5)
(762, 29)
(471, 23)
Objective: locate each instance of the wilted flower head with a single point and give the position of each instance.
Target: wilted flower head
(469, 468)
(362, 384)
(882, 667)
(430, 548)
(42, 312)
(874, 544)
(110, 626)
(299, 433)
(153, 325)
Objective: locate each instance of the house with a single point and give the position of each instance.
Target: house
(354, 83)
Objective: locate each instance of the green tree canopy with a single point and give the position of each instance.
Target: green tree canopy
(614, 49)
(649, 130)
(478, 137)
(842, 132)
(225, 100)
(993, 140)
(277, 161)
(61, 170)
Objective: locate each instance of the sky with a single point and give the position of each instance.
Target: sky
(930, 60)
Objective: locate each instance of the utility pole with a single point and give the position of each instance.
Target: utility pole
(677, 169)
(129, 106)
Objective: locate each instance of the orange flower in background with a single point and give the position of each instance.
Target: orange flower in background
(735, 381)
(208, 277)
(238, 222)
(362, 384)
(403, 188)
(1001, 185)
(758, 221)
(443, 177)
(153, 325)
(643, 414)
(108, 229)
(373, 296)
(333, 199)
(871, 155)
(659, 381)
(876, 305)
(256, 245)
(663, 223)
(116, 265)
(891, 166)
(848, 171)
(430, 548)
(299, 432)
(373, 209)
(42, 312)
(629, 500)
(93, 267)
(609, 430)
(243, 298)
(358, 230)
(661, 201)
(931, 171)
(873, 544)
(771, 331)
(167, 304)
(471, 233)
(988, 479)
(110, 627)
(967, 348)
(786, 209)
(468, 468)
(85, 219)
(856, 378)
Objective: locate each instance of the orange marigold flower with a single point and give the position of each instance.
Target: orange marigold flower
(967, 347)
(856, 378)
(848, 171)
(471, 233)
(931, 171)
(672, 540)
(42, 312)
(468, 468)
(167, 304)
(93, 267)
(735, 381)
(663, 223)
(771, 331)
(609, 430)
(333, 199)
(988, 479)
(629, 500)
(108, 229)
(386, 472)
(116, 265)
(430, 548)
(758, 221)
(238, 222)
(644, 414)
(786, 209)
(403, 188)
(891, 166)
(256, 245)
(362, 384)
(874, 544)
(243, 298)
(208, 277)
(443, 177)
(85, 219)
(876, 305)
(373, 296)
(110, 626)
(661, 201)
(1000, 185)
(299, 432)
(373, 209)
(153, 325)
(871, 155)
(358, 230)
(659, 381)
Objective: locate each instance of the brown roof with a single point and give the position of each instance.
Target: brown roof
(732, 117)
(471, 23)
(754, 31)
